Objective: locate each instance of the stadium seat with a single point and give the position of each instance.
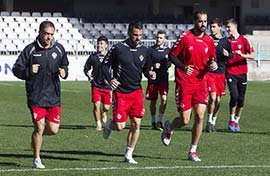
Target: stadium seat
(26, 14)
(13, 25)
(14, 13)
(62, 20)
(36, 14)
(57, 14)
(3, 35)
(9, 19)
(4, 13)
(30, 20)
(20, 19)
(46, 14)
(3, 25)
(19, 30)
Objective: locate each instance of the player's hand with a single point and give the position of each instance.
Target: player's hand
(212, 66)
(152, 75)
(156, 65)
(238, 52)
(62, 72)
(225, 52)
(114, 84)
(35, 68)
(189, 69)
(89, 74)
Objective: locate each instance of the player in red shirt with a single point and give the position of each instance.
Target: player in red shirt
(193, 54)
(236, 72)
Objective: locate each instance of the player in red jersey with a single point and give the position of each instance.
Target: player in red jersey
(236, 72)
(193, 54)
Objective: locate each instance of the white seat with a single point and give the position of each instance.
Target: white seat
(34, 25)
(13, 25)
(6, 41)
(61, 30)
(3, 48)
(3, 25)
(3, 35)
(11, 47)
(24, 25)
(57, 36)
(77, 36)
(8, 30)
(89, 47)
(69, 47)
(19, 30)
(4, 13)
(30, 31)
(20, 19)
(67, 25)
(17, 41)
(66, 36)
(30, 20)
(46, 14)
(73, 30)
(36, 14)
(72, 42)
(15, 13)
(12, 36)
(9, 19)
(62, 41)
(62, 20)
(21, 46)
(25, 14)
(40, 19)
(23, 36)
(52, 19)
(57, 14)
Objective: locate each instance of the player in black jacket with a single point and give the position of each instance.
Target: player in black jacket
(101, 91)
(216, 79)
(126, 61)
(40, 64)
(159, 57)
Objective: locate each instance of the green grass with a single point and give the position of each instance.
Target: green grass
(78, 145)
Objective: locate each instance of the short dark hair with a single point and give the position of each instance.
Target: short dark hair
(45, 24)
(232, 20)
(135, 24)
(162, 32)
(197, 12)
(102, 38)
(217, 21)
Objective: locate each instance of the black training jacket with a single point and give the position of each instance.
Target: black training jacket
(42, 88)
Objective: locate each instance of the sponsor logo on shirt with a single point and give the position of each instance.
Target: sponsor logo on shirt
(119, 116)
(206, 50)
(239, 46)
(190, 48)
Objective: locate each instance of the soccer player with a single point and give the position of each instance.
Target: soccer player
(236, 73)
(127, 61)
(101, 91)
(40, 64)
(159, 56)
(193, 54)
(216, 79)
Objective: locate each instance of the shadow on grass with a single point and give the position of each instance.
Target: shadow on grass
(98, 153)
(9, 155)
(9, 164)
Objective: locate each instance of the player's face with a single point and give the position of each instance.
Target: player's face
(231, 28)
(101, 46)
(160, 39)
(215, 29)
(201, 23)
(46, 36)
(135, 36)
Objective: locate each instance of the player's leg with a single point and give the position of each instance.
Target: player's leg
(97, 114)
(106, 101)
(152, 95)
(211, 86)
(38, 118)
(242, 87)
(163, 90)
(234, 94)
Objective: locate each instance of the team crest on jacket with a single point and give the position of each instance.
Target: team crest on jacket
(141, 57)
(54, 55)
(206, 50)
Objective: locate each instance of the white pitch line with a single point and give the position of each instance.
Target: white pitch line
(136, 168)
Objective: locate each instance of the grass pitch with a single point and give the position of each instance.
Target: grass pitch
(79, 150)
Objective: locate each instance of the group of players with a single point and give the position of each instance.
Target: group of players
(200, 60)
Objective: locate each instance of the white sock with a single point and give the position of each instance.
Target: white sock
(129, 152)
(237, 119)
(232, 117)
(210, 118)
(214, 120)
(160, 117)
(99, 123)
(193, 148)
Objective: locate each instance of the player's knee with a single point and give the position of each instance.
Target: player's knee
(233, 100)
(164, 100)
(106, 108)
(120, 127)
(199, 119)
(185, 120)
(240, 102)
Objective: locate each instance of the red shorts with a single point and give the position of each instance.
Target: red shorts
(51, 114)
(102, 95)
(128, 104)
(187, 96)
(153, 89)
(216, 83)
